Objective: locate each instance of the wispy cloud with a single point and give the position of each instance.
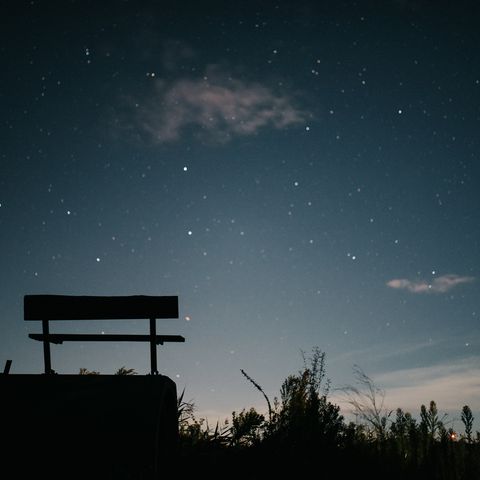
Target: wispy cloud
(384, 351)
(217, 107)
(451, 385)
(440, 284)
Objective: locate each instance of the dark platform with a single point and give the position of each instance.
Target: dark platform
(85, 426)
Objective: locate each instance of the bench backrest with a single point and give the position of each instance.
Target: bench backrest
(68, 307)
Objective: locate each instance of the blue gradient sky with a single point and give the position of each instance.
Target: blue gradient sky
(299, 174)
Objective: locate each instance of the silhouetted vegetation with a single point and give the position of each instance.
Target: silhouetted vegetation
(121, 371)
(305, 434)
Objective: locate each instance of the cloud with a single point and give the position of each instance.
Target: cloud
(440, 284)
(451, 385)
(217, 107)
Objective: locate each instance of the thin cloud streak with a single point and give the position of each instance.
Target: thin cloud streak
(450, 385)
(384, 351)
(217, 106)
(440, 284)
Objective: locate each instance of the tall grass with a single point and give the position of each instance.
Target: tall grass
(305, 434)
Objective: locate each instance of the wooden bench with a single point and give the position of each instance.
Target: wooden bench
(67, 307)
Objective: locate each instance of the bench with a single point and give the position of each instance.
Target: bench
(67, 307)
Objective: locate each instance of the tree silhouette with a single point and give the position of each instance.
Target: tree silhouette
(430, 423)
(467, 420)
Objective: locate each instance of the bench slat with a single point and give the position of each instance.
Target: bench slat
(93, 337)
(71, 307)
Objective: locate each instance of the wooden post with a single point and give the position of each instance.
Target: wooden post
(46, 348)
(153, 346)
(8, 364)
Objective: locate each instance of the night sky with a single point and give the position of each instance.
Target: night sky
(300, 173)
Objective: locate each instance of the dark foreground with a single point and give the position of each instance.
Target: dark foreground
(127, 427)
(375, 460)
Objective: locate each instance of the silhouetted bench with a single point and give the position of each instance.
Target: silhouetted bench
(66, 307)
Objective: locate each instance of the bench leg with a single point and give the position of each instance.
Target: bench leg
(153, 347)
(46, 348)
